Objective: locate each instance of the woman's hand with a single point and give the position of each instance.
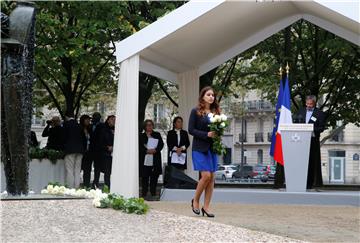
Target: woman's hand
(151, 151)
(178, 151)
(211, 134)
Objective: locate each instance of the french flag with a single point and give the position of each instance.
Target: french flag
(284, 118)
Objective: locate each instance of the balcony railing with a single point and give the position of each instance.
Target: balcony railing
(258, 105)
(269, 136)
(259, 137)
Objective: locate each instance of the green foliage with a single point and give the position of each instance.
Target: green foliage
(321, 64)
(55, 184)
(75, 46)
(52, 155)
(106, 189)
(131, 205)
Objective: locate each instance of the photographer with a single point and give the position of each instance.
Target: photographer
(54, 132)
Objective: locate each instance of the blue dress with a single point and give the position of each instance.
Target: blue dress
(205, 161)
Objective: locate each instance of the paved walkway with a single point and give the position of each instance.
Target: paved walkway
(304, 222)
(78, 220)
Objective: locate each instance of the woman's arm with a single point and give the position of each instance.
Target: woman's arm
(192, 130)
(160, 143)
(169, 141)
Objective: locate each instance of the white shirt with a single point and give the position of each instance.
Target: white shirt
(309, 114)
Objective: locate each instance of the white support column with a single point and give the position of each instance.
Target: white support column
(188, 98)
(125, 164)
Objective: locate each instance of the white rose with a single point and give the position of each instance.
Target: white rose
(210, 115)
(44, 191)
(96, 202)
(62, 189)
(212, 119)
(217, 118)
(55, 190)
(223, 117)
(50, 188)
(222, 125)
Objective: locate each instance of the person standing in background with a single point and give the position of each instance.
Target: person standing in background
(95, 150)
(311, 114)
(55, 133)
(86, 164)
(74, 147)
(177, 141)
(150, 165)
(106, 143)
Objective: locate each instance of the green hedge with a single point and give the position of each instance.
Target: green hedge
(52, 155)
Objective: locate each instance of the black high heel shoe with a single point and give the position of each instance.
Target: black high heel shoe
(195, 210)
(210, 215)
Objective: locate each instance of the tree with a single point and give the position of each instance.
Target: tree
(75, 45)
(321, 64)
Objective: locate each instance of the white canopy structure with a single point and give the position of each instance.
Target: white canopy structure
(193, 40)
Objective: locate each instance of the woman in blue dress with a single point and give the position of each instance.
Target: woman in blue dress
(204, 159)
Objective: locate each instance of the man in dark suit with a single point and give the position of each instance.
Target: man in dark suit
(313, 115)
(54, 131)
(74, 147)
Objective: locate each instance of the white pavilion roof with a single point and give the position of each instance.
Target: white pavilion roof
(205, 34)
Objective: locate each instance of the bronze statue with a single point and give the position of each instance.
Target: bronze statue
(17, 61)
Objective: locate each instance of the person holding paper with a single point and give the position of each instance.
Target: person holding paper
(177, 141)
(313, 115)
(150, 165)
(204, 159)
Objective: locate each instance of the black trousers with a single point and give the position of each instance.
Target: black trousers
(152, 176)
(86, 166)
(103, 164)
(314, 169)
(279, 176)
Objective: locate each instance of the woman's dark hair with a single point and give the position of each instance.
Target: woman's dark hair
(108, 118)
(175, 120)
(146, 122)
(83, 118)
(214, 107)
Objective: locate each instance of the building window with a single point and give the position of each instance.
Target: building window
(336, 153)
(159, 112)
(227, 156)
(260, 156)
(259, 137)
(242, 136)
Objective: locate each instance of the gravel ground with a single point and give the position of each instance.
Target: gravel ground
(79, 221)
(305, 222)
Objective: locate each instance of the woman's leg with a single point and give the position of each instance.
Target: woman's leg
(208, 192)
(153, 183)
(202, 184)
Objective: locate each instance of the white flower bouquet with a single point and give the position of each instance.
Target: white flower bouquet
(218, 123)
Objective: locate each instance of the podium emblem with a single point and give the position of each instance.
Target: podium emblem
(295, 138)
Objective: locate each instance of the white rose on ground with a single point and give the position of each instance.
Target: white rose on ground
(44, 191)
(223, 117)
(222, 125)
(62, 189)
(50, 188)
(55, 190)
(96, 202)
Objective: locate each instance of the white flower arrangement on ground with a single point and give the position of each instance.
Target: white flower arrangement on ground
(97, 194)
(100, 198)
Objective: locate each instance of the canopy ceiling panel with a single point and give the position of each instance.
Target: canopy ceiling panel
(215, 32)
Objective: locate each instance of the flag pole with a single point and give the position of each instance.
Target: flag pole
(287, 68)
